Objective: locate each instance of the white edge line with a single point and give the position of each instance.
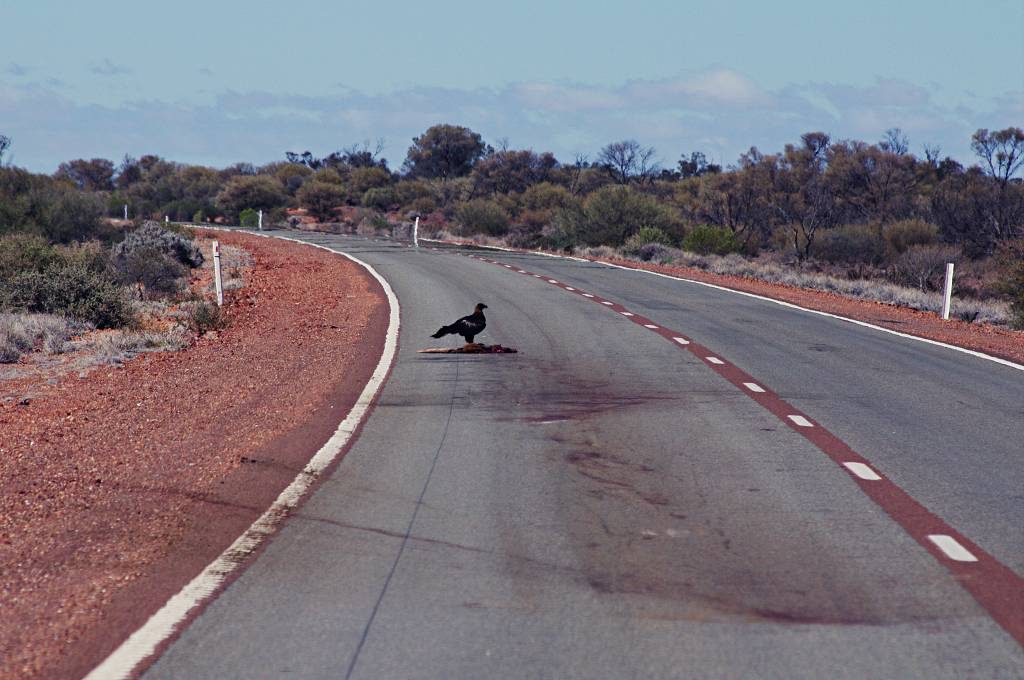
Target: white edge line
(952, 548)
(861, 470)
(865, 324)
(141, 644)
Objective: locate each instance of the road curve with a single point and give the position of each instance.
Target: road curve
(607, 503)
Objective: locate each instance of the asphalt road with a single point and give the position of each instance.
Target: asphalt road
(605, 505)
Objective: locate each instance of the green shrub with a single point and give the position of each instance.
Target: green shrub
(646, 235)
(24, 252)
(849, 244)
(481, 216)
(64, 215)
(708, 240)
(612, 214)
(74, 289)
(321, 198)
(249, 218)
(545, 196)
(156, 272)
(380, 198)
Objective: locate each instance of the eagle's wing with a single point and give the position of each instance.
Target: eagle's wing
(468, 324)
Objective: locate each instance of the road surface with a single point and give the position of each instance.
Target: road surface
(608, 503)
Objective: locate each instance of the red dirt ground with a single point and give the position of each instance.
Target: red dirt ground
(117, 488)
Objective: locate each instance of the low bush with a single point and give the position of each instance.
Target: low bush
(612, 214)
(158, 274)
(73, 289)
(849, 244)
(249, 218)
(708, 240)
(923, 266)
(320, 198)
(152, 236)
(906, 233)
(70, 281)
(650, 243)
(65, 215)
(380, 198)
(204, 317)
(652, 251)
(481, 216)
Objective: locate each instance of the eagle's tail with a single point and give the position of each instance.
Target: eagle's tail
(441, 332)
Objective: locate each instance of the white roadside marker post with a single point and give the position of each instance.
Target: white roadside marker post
(947, 292)
(216, 274)
(416, 232)
(260, 224)
(126, 212)
(167, 219)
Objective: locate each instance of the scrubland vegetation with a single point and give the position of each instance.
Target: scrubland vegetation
(65, 269)
(868, 220)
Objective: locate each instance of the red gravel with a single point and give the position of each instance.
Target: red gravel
(117, 488)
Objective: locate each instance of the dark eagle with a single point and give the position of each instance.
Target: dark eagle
(467, 326)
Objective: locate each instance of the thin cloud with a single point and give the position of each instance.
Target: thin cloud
(17, 70)
(109, 68)
(720, 112)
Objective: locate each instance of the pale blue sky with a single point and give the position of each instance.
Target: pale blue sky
(218, 82)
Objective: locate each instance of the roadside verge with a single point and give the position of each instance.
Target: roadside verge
(124, 486)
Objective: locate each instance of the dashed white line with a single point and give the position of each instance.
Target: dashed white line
(587, 295)
(508, 266)
(569, 288)
(521, 271)
(650, 325)
(753, 387)
(552, 281)
(627, 313)
(715, 360)
(952, 548)
(862, 471)
(605, 302)
(682, 341)
(801, 421)
(536, 276)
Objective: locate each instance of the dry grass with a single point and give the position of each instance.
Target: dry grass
(233, 263)
(118, 347)
(993, 312)
(23, 333)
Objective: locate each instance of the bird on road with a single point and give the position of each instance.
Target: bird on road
(467, 326)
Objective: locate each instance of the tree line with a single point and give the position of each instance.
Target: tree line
(816, 198)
